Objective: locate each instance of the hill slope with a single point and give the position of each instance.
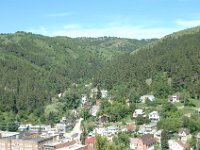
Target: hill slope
(164, 67)
(34, 68)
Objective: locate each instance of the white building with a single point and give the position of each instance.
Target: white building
(60, 127)
(138, 112)
(83, 99)
(177, 145)
(147, 97)
(154, 116)
(39, 128)
(104, 93)
(174, 98)
(94, 110)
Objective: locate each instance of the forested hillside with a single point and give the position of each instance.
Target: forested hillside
(167, 66)
(35, 68)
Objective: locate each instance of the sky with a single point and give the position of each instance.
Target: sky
(136, 19)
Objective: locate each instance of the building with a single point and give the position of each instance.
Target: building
(23, 141)
(83, 99)
(150, 128)
(104, 93)
(138, 112)
(145, 142)
(177, 145)
(154, 116)
(174, 98)
(129, 127)
(103, 119)
(94, 110)
(34, 128)
(64, 144)
(90, 142)
(198, 136)
(134, 143)
(112, 130)
(184, 135)
(61, 127)
(4, 134)
(147, 97)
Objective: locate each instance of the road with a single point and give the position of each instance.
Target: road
(76, 129)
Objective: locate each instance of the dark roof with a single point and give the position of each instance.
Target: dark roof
(187, 131)
(148, 139)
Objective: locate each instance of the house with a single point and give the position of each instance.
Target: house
(147, 97)
(24, 127)
(23, 141)
(154, 116)
(104, 93)
(157, 135)
(94, 110)
(134, 143)
(90, 142)
(103, 119)
(150, 128)
(112, 130)
(93, 92)
(198, 136)
(60, 127)
(177, 145)
(184, 135)
(174, 98)
(145, 142)
(39, 128)
(129, 127)
(138, 112)
(83, 99)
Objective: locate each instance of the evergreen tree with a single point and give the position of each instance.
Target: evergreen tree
(164, 140)
(99, 94)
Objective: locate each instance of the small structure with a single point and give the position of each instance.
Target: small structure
(134, 143)
(112, 130)
(60, 127)
(198, 136)
(130, 127)
(147, 97)
(177, 145)
(184, 135)
(145, 142)
(94, 110)
(90, 142)
(103, 119)
(138, 112)
(154, 116)
(104, 93)
(150, 128)
(83, 99)
(174, 98)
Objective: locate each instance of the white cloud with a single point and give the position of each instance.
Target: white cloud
(187, 23)
(123, 31)
(57, 14)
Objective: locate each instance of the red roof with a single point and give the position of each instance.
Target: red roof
(131, 127)
(90, 140)
(182, 144)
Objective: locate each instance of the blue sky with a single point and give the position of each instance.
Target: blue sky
(95, 18)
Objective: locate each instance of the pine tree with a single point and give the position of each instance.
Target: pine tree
(164, 140)
(99, 94)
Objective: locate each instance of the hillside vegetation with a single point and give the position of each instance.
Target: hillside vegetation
(167, 66)
(36, 68)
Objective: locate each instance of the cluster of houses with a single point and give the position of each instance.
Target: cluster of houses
(45, 137)
(34, 141)
(42, 128)
(41, 137)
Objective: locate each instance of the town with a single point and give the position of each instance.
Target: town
(151, 124)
